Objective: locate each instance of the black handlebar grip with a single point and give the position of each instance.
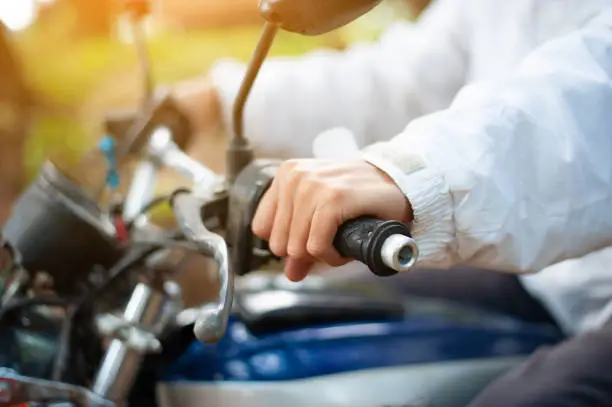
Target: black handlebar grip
(362, 239)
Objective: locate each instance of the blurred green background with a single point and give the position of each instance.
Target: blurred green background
(75, 65)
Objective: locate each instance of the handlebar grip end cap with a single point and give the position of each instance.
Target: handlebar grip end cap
(386, 247)
(391, 249)
(399, 252)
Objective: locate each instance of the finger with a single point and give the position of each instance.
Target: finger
(303, 209)
(296, 269)
(265, 213)
(287, 186)
(323, 228)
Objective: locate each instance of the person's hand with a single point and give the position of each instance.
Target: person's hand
(309, 199)
(199, 101)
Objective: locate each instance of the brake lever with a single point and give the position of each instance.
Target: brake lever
(212, 319)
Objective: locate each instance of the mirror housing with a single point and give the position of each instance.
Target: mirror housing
(314, 17)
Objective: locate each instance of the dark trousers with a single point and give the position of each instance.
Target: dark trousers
(575, 373)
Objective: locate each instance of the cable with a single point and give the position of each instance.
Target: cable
(147, 208)
(63, 351)
(132, 258)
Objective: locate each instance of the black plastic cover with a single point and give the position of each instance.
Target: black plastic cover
(55, 228)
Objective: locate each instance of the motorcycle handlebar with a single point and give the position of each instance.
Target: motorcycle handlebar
(386, 247)
(212, 319)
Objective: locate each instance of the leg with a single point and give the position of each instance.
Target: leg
(576, 373)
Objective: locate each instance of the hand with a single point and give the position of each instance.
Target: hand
(309, 199)
(198, 100)
(198, 103)
(198, 129)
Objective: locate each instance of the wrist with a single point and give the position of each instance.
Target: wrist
(429, 198)
(408, 213)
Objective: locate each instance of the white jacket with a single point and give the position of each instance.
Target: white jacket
(507, 156)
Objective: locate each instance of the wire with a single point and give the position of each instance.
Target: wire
(63, 351)
(147, 208)
(132, 258)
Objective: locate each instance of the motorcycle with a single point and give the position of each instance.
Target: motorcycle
(68, 266)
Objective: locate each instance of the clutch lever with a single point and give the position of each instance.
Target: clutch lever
(211, 321)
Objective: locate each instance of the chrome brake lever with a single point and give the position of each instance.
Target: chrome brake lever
(212, 319)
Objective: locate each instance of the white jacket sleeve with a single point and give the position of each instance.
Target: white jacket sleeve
(371, 89)
(516, 175)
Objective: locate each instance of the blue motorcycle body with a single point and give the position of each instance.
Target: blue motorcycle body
(288, 347)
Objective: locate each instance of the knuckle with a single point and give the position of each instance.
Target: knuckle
(337, 195)
(293, 178)
(288, 166)
(309, 185)
(317, 249)
(277, 248)
(297, 251)
(296, 177)
(260, 230)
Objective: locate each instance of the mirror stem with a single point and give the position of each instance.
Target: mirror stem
(142, 51)
(239, 152)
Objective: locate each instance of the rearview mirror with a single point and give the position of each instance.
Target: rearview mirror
(314, 17)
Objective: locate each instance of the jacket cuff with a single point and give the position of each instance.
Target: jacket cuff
(430, 198)
(226, 77)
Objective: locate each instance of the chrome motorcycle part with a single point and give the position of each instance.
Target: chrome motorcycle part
(211, 323)
(132, 339)
(399, 252)
(161, 152)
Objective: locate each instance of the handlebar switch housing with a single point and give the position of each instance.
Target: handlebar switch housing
(248, 251)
